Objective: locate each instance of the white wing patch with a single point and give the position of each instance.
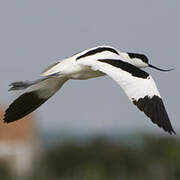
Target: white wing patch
(134, 87)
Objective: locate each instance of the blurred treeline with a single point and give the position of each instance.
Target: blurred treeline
(140, 158)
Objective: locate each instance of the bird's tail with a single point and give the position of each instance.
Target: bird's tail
(39, 91)
(20, 85)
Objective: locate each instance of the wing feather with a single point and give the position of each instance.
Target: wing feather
(141, 90)
(34, 97)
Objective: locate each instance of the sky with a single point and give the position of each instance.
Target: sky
(37, 33)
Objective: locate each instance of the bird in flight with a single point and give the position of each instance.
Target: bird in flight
(122, 67)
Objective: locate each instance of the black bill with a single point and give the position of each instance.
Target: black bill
(159, 68)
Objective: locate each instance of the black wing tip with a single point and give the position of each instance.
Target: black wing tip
(154, 108)
(7, 121)
(171, 132)
(5, 118)
(22, 106)
(8, 118)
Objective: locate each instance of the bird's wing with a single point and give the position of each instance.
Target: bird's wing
(53, 68)
(35, 96)
(138, 86)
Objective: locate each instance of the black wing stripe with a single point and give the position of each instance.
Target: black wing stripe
(155, 110)
(22, 106)
(97, 50)
(126, 67)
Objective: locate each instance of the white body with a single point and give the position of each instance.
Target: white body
(89, 67)
(73, 69)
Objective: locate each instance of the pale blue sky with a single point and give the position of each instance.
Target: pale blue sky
(33, 34)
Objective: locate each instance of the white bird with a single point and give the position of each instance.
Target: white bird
(122, 67)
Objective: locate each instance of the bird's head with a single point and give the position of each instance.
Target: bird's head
(139, 60)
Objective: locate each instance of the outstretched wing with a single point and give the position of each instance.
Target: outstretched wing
(138, 86)
(35, 96)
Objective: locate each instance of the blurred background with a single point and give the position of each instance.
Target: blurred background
(89, 129)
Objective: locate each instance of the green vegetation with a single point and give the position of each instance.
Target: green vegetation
(153, 158)
(136, 158)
